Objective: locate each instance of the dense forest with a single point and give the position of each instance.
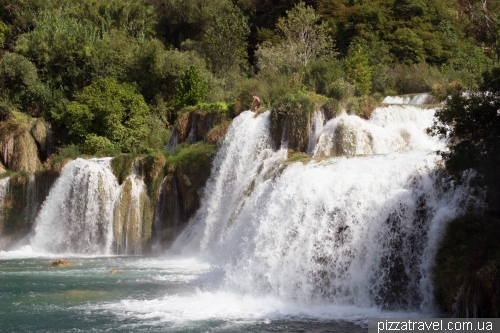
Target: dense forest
(117, 74)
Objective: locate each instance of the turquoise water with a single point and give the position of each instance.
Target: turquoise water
(147, 295)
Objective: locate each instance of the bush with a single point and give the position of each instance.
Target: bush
(93, 143)
(321, 73)
(341, 90)
(418, 78)
(191, 88)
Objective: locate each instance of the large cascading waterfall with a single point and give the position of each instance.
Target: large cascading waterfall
(77, 215)
(356, 231)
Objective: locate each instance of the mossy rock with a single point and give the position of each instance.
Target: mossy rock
(290, 121)
(122, 166)
(217, 132)
(60, 263)
(467, 271)
(345, 139)
(183, 125)
(25, 156)
(39, 131)
(154, 172)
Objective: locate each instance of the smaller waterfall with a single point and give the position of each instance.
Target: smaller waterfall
(173, 141)
(390, 129)
(77, 215)
(317, 123)
(191, 138)
(31, 208)
(418, 99)
(51, 149)
(3, 191)
(129, 213)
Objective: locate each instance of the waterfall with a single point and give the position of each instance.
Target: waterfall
(317, 123)
(417, 99)
(77, 215)
(390, 129)
(3, 191)
(356, 231)
(173, 141)
(129, 213)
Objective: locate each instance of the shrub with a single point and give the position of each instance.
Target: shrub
(320, 73)
(93, 143)
(341, 90)
(416, 78)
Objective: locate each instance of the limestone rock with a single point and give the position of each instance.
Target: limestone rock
(60, 263)
(25, 155)
(39, 131)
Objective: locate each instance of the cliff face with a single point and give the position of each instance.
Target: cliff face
(23, 142)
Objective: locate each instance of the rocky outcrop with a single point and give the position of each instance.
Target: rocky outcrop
(22, 141)
(60, 263)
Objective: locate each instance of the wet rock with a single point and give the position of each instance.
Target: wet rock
(60, 263)
(114, 271)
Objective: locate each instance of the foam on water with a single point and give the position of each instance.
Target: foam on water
(348, 232)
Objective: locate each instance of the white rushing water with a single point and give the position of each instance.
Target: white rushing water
(345, 231)
(77, 215)
(3, 191)
(407, 99)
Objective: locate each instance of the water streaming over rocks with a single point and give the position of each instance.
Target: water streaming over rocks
(77, 215)
(3, 191)
(349, 231)
(129, 213)
(355, 227)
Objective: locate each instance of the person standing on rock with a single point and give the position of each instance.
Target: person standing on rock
(256, 100)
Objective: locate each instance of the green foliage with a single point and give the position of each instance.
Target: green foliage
(408, 47)
(358, 70)
(93, 143)
(467, 272)
(191, 88)
(472, 124)
(4, 30)
(20, 84)
(224, 41)
(341, 90)
(417, 78)
(331, 108)
(108, 109)
(69, 151)
(122, 166)
(290, 120)
(301, 39)
(320, 73)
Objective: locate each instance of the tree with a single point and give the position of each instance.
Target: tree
(224, 41)
(107, 109)
(471, 123)
(358, 70)
(301, 39)
(191, 88)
